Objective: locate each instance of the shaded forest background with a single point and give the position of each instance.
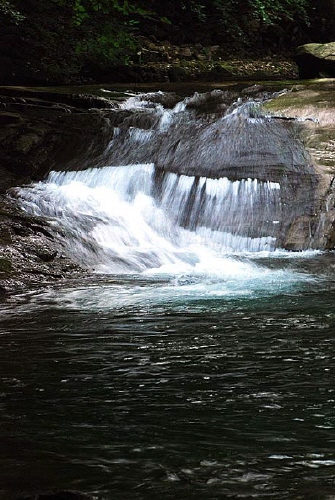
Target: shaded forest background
(67, 41)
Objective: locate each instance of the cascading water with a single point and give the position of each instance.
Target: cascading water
(143, 213)
(114, 222)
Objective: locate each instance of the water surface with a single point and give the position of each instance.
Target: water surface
(147, 387)
(196, 360)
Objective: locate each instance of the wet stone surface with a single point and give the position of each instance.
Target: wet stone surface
(30, 256)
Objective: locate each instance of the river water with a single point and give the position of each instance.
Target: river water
(193, 363)
(184, 387)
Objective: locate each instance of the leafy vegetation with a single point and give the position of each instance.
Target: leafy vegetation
(64, 36)
(9, 12)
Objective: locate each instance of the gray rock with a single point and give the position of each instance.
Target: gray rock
(41, 131)
(316, 60)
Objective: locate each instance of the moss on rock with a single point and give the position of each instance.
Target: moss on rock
(6, 266)
(313, 103)
(316, 59)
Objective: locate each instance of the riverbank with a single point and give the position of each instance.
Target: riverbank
(154, 60)
(164, 63)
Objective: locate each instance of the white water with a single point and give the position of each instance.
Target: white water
(113, 224)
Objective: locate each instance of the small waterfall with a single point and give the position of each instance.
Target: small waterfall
(248, 210)
(121, 219)
(181, 181)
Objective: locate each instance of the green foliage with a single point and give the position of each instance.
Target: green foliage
(110, 47)
(197, 8)
(83, 9)
(59, 38)
(228, 20)
(272, 11)
(8, 10)
(105, 28)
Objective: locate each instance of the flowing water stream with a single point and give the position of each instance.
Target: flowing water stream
(195, 362)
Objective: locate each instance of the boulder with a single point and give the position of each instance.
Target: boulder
(30, 255)
(316, 60)
(40, 131)
(313, 104)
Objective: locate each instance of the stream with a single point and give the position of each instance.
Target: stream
(196, 359)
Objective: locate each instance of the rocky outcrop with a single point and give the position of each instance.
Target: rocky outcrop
(247, 145)
(236, 141)
(30, 255)
(42, 130)
(244, 144)
(313, 105)
(316, 60)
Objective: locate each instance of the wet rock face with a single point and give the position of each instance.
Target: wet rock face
(208, 135)
(240, 145)
(43, 130)
(313, 104)
(30, 254)
(316, 60)
(256, 148)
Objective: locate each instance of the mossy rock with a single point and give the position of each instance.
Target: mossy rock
(313, 103)
(319, 50)
(218, 73)
(178, 74)
(316, 59)
(6, 266)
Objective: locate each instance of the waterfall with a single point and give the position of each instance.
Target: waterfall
(122, 219)
(177, 186)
